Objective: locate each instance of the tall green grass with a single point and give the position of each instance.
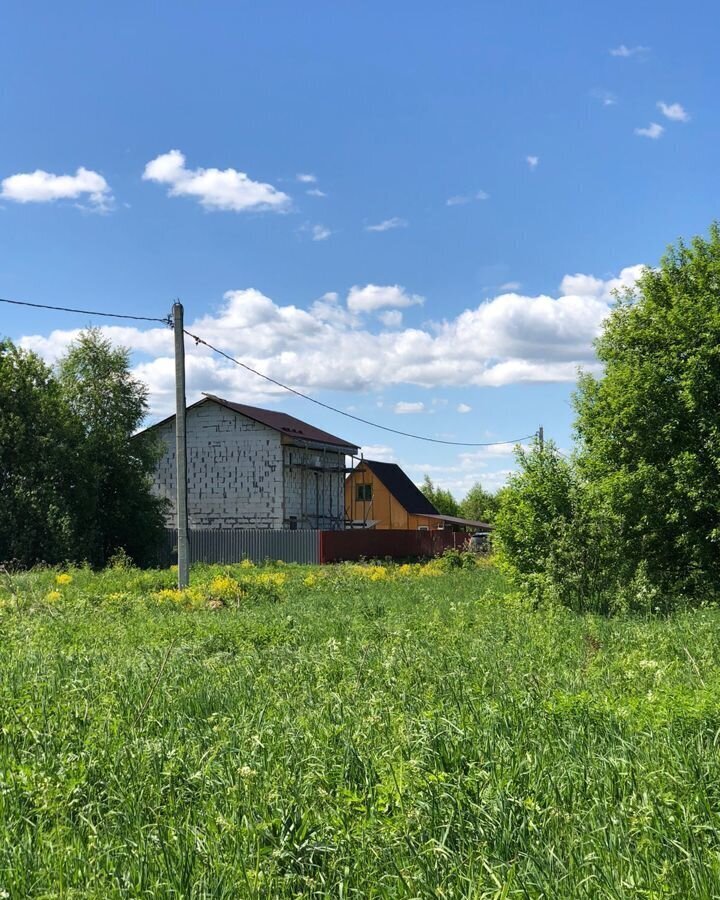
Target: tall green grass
(406, 737)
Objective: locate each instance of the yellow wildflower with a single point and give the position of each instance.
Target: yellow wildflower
(63, 578)
(223, 585)
(168, 595)
(53, 596)
(247, 564)
(310, 581)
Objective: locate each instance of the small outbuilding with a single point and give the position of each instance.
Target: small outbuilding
(380, 495)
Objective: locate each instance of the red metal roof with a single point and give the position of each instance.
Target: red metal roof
(284, 423)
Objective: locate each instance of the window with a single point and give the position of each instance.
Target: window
(363, 492)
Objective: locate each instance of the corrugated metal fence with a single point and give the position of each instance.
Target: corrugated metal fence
(394, 544)
(225, 545)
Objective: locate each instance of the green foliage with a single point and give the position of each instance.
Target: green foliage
(108, 406)
(649, 429)
(555, 536)
(38, 462)
(415, 737)
(479, 505)
(442, 500)
(74, 482)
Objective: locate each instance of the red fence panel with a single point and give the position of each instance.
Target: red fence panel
(336, 546)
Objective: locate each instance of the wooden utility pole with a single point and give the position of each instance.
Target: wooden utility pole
(181, 449)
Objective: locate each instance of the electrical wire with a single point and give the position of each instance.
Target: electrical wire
(167, 320)
(417, 437)
(90, 312)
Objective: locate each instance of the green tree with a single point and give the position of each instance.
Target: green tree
(554, 534)
(116, 509)
(442, 500)
(649, 429)
(479, 505)
(38, 462)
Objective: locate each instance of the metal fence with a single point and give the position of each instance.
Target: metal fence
(225, 545)
(233, 545)
(391, 544)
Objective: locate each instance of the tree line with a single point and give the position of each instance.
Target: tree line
(74, 476)
(631, 520)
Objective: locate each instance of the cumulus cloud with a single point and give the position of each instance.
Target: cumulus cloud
(673, 111)
(653, 131)
(320, 233)
(511, 286)
(373, 297)
(388, 224)
(316, 192)
(607, 98)
(306, 178)
(379, 452)
(462, 199)
(216, 189)
(463, 408)
(532, 161)
(391, 318)
(626, 52)
(45, 187)
(403, 408)
(341, 343)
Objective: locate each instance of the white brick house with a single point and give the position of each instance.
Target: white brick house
(254, 468)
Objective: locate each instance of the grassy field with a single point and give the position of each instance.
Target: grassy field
(350, 732)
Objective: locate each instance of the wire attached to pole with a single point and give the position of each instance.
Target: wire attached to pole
(341, 412)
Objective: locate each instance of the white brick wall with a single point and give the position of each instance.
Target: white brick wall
(236, 477)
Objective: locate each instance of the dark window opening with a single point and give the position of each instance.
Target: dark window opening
(363, 492)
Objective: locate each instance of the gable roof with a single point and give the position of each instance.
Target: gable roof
(403, 490)
(284, 423)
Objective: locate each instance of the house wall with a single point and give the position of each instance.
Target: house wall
(315, 498)
(235, 470)
(384, 508)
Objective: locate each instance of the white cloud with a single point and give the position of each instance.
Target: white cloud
(511, 286)
(653, 131)
(461, 199)
(403, 408)
(373, 297)
(216, 189)
(625, 52)
(306, 178)
(463, 408)
(320, 233)
(388, 224)
(332, 345)
(379, 452)
(391, 318)
(673, 111)
(532, 161)
(316, 192)
(44, 187)
(607, 98)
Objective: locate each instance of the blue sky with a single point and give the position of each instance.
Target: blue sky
(465, 159)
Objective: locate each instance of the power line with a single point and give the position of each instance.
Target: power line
(167, 320)
(90, 312)
(417, 437)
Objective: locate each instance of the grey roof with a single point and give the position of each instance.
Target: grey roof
(456, 520)
(403, 490)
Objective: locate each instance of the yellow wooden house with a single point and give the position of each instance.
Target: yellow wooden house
(380, 495)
